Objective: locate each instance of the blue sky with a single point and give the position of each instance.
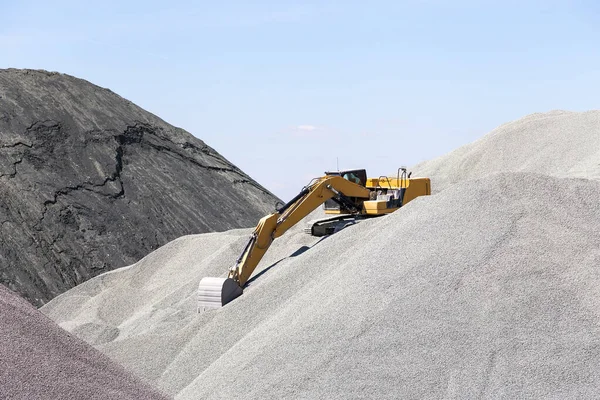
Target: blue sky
(283, 88)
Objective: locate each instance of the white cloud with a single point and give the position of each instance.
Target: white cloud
(306, 128)
(309, 131)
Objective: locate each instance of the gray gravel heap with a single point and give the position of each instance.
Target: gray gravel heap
(557, 143)
(39, 360)
(90, 182)
(487, 290)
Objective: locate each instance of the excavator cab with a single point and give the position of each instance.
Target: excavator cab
(358, 176)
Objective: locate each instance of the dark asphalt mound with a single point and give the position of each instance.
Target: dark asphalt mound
(90, 182)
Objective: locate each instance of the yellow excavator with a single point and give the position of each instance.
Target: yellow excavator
(348, 194)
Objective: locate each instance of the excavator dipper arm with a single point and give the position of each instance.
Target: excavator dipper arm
(216, 292)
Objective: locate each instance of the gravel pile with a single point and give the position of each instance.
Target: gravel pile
(558, 143)
(39, 360)
(486, 290)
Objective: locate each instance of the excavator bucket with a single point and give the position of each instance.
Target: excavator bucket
(216, 292)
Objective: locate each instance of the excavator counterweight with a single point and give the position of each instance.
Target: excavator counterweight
(347, 193)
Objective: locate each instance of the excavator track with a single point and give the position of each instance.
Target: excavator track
(329, 226)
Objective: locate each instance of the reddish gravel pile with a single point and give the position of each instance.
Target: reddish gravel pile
(39, 360)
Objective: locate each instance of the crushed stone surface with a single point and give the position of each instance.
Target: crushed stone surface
(557, 143)
(488, 289)
(39, 360)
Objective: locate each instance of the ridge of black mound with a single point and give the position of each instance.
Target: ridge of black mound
(90, 182)
(39, 360)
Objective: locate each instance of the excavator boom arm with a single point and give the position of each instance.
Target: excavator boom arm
(274, 225)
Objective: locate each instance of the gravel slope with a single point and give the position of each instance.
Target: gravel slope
(39, 360)
(90, 182)
(485, 290)
(557, 143)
